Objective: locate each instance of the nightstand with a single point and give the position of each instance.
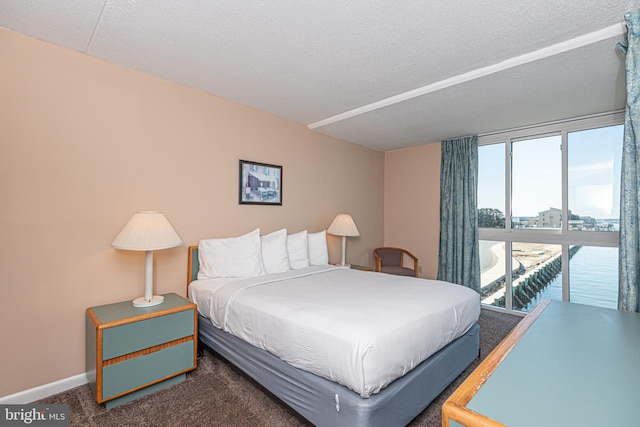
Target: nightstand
(361, 267)
(133, 351)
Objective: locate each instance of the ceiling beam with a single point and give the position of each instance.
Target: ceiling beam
(555, 49)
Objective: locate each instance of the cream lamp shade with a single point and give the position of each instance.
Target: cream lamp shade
(147, 231)
(343, 226)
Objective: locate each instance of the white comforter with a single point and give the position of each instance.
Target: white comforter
(360, 329)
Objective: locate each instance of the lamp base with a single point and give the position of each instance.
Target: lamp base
(142, 302)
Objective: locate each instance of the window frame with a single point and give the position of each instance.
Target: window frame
(563, 236)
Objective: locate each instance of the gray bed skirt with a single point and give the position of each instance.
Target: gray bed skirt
(325, 403)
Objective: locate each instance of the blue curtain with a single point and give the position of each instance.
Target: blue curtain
(629, 269)
(459, 257)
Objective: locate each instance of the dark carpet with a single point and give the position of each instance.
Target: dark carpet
(216, 394)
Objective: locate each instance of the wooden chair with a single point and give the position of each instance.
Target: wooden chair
(390, 260)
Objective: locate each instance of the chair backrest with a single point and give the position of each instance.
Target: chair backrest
(389, 256)
(391, 260)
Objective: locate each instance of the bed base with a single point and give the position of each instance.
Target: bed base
(325, 403)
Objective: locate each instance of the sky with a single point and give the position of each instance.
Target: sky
(594, 159)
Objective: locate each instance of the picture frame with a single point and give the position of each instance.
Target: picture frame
(260, 184)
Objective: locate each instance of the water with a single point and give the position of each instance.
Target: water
(593, 279)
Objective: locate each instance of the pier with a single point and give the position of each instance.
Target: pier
(526, 284)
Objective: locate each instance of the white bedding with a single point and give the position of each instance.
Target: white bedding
(360, 329)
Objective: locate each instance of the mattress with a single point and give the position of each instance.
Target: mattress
(359, 329)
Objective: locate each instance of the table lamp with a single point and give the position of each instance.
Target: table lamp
(147, 231)
(343, 226)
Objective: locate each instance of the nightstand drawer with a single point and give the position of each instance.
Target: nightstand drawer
(139, 371)
(131, 337)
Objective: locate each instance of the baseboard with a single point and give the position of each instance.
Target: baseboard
(46, 390)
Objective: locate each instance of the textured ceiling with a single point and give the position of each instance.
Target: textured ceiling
(386, 75)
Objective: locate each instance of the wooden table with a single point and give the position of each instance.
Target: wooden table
(564, 364)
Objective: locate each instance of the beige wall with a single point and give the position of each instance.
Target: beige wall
(412, 203)
(84, 144)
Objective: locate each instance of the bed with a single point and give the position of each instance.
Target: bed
(297, 332)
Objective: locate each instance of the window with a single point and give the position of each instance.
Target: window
(536, 175)
(548, 212)
(491, 179)
(492, 280)
(594, 161)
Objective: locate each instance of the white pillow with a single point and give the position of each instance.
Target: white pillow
(318, 252)
(274, 252)
(231, 257)
(298, 250)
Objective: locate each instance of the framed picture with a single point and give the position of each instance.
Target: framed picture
(260, 184)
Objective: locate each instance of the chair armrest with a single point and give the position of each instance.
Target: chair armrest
(415, 260)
